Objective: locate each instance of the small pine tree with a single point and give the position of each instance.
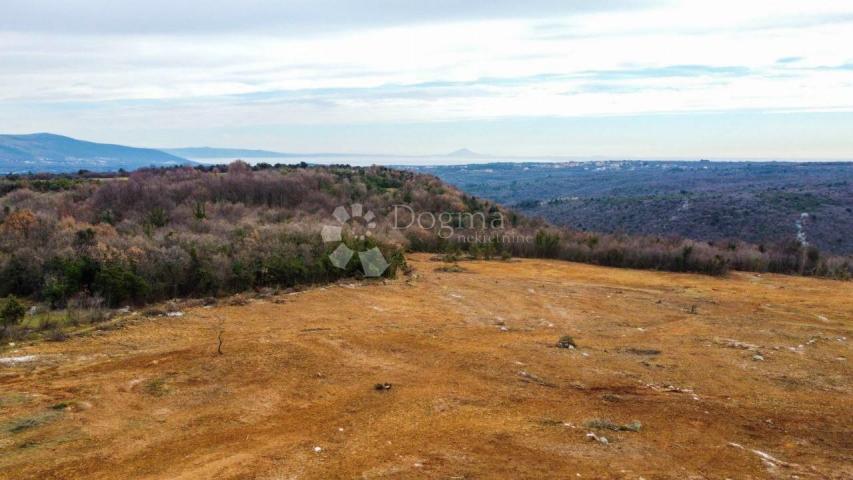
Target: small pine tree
(547, 245)
(157, 217)
(199, 211)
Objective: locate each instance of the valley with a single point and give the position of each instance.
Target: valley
(755, 202)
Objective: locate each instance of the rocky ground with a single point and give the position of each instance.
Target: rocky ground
(450, 374)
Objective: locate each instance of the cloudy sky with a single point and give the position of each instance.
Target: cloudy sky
(614, 79)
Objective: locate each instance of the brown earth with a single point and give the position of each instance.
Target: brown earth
(478, 387)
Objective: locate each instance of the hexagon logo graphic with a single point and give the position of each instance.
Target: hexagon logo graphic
(373, 263)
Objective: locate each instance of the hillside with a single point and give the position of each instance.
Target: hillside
(155, 234)
(756, 202)
(754, 383)
(45, 152)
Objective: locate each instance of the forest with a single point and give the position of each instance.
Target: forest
(756, 202)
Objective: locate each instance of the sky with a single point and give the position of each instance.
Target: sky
(605, 79)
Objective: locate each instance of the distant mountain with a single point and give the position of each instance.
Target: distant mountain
(210, 152)
(45, 152)
(464, 152)
(205, 153)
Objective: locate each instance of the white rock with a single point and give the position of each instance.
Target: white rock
(20, 359)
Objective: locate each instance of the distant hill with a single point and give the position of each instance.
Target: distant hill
(46, 152)
(464, 152)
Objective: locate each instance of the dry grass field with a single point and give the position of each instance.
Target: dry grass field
(741, 377)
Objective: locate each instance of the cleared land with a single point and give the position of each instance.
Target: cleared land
(740, 377)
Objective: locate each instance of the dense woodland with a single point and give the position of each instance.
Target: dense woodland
(156, 234)
(757, 202)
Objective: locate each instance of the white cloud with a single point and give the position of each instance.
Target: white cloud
(419, 64)
(282, 17)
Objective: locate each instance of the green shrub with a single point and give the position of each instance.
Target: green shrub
(12, 312)
(547, 245)
(117, 283)
(21, 275)
(157, 217)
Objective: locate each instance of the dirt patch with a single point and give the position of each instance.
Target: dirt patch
(294, 394)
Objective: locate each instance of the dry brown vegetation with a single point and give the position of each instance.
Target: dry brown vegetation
(157, 234)
(685, 376)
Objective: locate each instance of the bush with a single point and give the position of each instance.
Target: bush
(21, 274)
(12, 312)
(118, 284)
(547, 244)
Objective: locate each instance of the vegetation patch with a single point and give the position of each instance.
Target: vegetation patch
(10, 399)
(604, 424)
(641, 351)
(157, 387)
(550, 422)
(566, 341)
(26, 423)
(451, 269)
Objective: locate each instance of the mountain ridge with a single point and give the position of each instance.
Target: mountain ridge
(233, 153)
(52, 153)
(215, 152)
